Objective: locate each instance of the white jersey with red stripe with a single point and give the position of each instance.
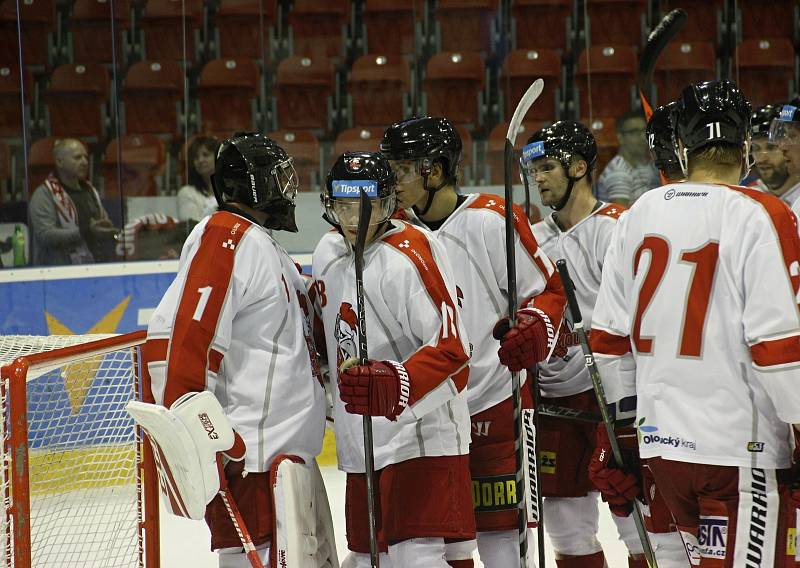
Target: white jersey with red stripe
(474, 237)
(583, 246)
(236, 322)
(411, 318)
(792, 199)
(697, 314)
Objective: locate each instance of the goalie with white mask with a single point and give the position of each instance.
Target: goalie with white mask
(236, 323)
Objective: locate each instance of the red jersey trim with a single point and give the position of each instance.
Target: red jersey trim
(777, 352)
(605, 343)
(429, 366)
(190, 355)
(613, 210)
(785, 225)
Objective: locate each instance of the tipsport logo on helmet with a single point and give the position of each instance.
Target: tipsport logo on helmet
(352, 188)
(532, 151)
(787, 113)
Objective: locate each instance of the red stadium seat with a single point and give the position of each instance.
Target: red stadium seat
(610, 72)
(76, 100)
(318, 29)
(495, 153)
(523, 66)
(245, 27)
(465, 25)
(768, 18)
(359, 139)
(453, 87)
(616, 21)
(227, 92)
(304, 93)
(11, 109)
(605, 134)
(40, 161)
(377, 89)
(702, 22)
(304, 149)
(681, 64)
(135, 160)
(165, 24)
(38, 22)
(765, 69)
(541, 24)
(390, 25)
(90, 31)
(152, 97)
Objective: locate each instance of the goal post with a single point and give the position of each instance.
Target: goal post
(78, 483)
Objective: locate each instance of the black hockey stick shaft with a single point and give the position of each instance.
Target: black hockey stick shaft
(563, 412)
(669, 26)
(516, 395)
(364, 215)
(599, 391)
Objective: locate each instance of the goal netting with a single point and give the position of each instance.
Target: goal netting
(72, 459)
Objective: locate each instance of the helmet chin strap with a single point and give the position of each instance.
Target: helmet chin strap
(570, 185)
(431, 194)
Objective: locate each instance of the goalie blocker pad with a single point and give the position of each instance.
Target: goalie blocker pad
(303, 535)
(187, 439)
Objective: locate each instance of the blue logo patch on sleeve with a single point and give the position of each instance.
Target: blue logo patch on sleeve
(352, 188)
(532, 151)
(787, 113)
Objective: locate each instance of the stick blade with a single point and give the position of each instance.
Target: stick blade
(669, 26)
(524, 105)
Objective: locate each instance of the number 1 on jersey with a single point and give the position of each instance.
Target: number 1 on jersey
(205, 294)
(704, 261)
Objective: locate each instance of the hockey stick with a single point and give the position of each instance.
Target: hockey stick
(563, 412)
(525, 103)
(364, 214)
(658, 39)
(597, 383)
(241, 528)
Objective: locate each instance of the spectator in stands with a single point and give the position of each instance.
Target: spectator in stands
(631, 172)
(196, 199)
(68, 222)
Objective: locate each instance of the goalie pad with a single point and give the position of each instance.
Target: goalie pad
(187, 439)
(303, 536)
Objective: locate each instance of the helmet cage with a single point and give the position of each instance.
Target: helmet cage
(267, 184)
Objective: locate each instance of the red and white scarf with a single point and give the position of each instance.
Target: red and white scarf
(65, 207)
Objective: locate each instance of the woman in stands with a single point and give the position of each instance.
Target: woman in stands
(196, 199)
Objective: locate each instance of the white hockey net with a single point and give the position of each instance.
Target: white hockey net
(83, 476)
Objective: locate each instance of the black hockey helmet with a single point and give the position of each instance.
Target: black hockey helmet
(661, 137)
(253, 170)
(562, 141)
(352, 172)
(762, 117)
(425, 140)
(712, 112)
(785, 129)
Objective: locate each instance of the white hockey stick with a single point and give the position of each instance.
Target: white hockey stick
(525, 103)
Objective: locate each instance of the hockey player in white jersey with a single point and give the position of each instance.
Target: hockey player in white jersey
(785, 135)
(414, 382)
(697, 315)
(769, 161)
(425, 153)
(235, 322)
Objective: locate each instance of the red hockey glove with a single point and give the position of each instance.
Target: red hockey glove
(525, 345)
(617, 487)
(379, 388)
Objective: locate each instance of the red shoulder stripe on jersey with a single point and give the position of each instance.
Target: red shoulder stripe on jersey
(552, 299)
(207, 281)
(613, 210)
(605, 343)
(429, 366)
(152, 350)
(777, 352)
(785, 224)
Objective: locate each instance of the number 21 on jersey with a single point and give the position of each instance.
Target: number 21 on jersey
(703, 263)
